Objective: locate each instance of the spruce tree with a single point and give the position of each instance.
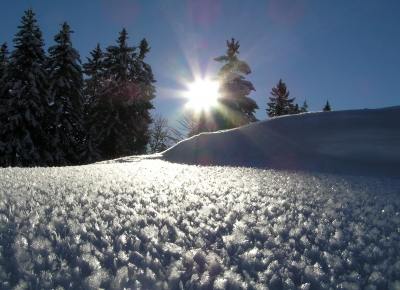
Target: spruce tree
(280, 103)
(234, 108)
(327, 107)
(4, 59)
(25, 100)
(66, 86)
(94, 69)
(304, 107)
(120, 117)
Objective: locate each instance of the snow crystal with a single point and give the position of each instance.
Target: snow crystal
(150, 224)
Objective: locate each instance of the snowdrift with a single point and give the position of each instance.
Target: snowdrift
(360, 142)
(145, 223)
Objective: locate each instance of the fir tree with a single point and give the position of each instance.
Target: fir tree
(94, 69)
(4, 58)
(25, 100)
(327, 107)
(66, 87)
(280, 103)
(235, 108)
(120, 118)
(304, 107)
(294, 109)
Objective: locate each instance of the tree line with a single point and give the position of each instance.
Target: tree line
(50, 115)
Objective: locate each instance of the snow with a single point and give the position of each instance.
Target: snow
(257, 207)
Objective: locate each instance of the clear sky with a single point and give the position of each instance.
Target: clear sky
(347, 52)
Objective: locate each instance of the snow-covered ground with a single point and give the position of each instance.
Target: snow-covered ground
(299, 202)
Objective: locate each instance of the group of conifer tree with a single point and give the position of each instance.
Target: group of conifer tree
(51, 116)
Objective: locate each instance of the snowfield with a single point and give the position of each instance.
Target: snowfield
(247, 222)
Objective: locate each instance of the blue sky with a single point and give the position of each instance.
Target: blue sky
(347, 52)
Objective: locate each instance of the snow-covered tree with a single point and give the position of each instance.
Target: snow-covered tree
(25, 100)
(235, 108)
(327, 107)
(119, 113)
(66, 87)
(280, 103)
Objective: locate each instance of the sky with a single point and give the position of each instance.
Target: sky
(156, 222)
(347, 52)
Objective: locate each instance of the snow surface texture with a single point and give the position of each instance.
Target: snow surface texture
(145, 223)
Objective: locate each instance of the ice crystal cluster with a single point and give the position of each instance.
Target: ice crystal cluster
(151, 224)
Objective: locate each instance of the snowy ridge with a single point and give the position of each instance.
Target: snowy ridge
(144, 223)
(359, 142)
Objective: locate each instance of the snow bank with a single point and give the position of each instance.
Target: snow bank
(357, 142)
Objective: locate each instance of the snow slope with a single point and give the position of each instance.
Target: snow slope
(346, 142)
(146, 223)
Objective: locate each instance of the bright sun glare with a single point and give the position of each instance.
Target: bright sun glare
(202, 94)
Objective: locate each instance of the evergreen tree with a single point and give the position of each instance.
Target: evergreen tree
(120, 115)
(294, 110)
(327, 107)
(4, 59)
(234, 108)
(25, 100)
(66, 86)
(280, 103)
(94, 69)
(304, 108)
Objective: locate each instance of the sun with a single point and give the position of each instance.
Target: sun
(202, 94)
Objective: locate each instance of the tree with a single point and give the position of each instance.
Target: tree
(187, 125)
(280, 103)
(304, 107)
(4, 59)
(93, 84)
(66, 86)
(234, 108)
(327, 107)
(94, 70)
(162, 136)
(25, 100)
(119, 113)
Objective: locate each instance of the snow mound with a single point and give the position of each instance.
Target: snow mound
(360, 142)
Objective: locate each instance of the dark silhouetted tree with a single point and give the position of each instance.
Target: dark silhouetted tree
(280, 103)
(119, 115)
(234, 107)
(66, 87)
(25, 110)
(327, 107)
(94, 69)
(4, 59)
(304, 107)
